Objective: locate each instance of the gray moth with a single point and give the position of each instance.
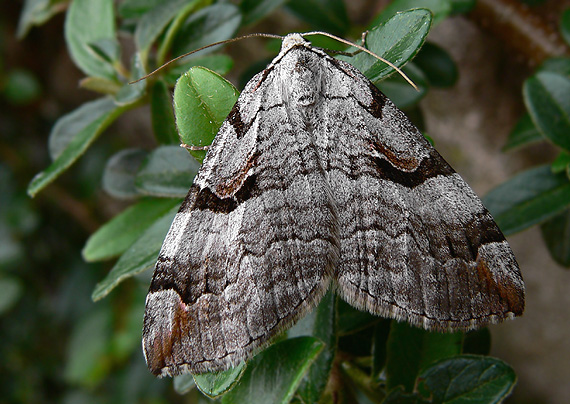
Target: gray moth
(317, 180)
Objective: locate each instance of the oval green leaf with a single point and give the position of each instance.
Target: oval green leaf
(411, 349)
(255, 10)
(556, 234)
(162, 114)
(69, 125)
(351, 320)
(107, 49)
(118, 234)
(155, 20)
(468, 379)
(322, 15)
(560, 163)
(440, 9)
(140, 256)
(120, 171)
(36, 12)
(400, 92)
(462, 6)
(320, 323)
(560, 65)
(202, 100)
(397, 41)
(167, 171)
(88, 22)
(135, 9)
(437, 65)
(131, 93)
(90, 129)
(218, 63)
(547, 99)
(529, 198)
(273, 375)
(88, 347)
(11, 290)
(216, 384)
(379, 349)
(523, 133)
(208, 25)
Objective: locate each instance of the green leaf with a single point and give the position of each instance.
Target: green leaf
(20, 87)
(440, 9)
(400, 91)
(218, 63)
(411, 349)
(87, 361)
(126, 336)
(208, 25)
(100, 85)
(560, 163)
(140, 256)
(379, 351)
(69, 125)
(468, 379)
(436, 64)
(565, 25)
(137, 8)
(129, 94)
(556, 234)
(273, 375)
(322, 15)
(202, 100)
(530, 197)
(118, 234)
(107, 49)
(397, 41)
(319, 323)
(153, 22)
(255, 10)
(86, 134)
(560, 65)
(351, 320)
(11, 250)
(36, 12)
(167, 171)
(162, 114)
(523, 133)
(183, 383)
(10, 291)
(120, 171)
(216, 384)
(462, 6)
(87, 22)
(547, 99)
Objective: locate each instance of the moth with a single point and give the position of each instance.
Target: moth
(316, 180)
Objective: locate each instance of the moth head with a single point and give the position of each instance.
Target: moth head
(293, 40)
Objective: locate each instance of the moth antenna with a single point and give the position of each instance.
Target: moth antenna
(206, 47)
(363, 49)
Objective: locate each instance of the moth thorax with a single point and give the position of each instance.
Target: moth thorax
(302, 86)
